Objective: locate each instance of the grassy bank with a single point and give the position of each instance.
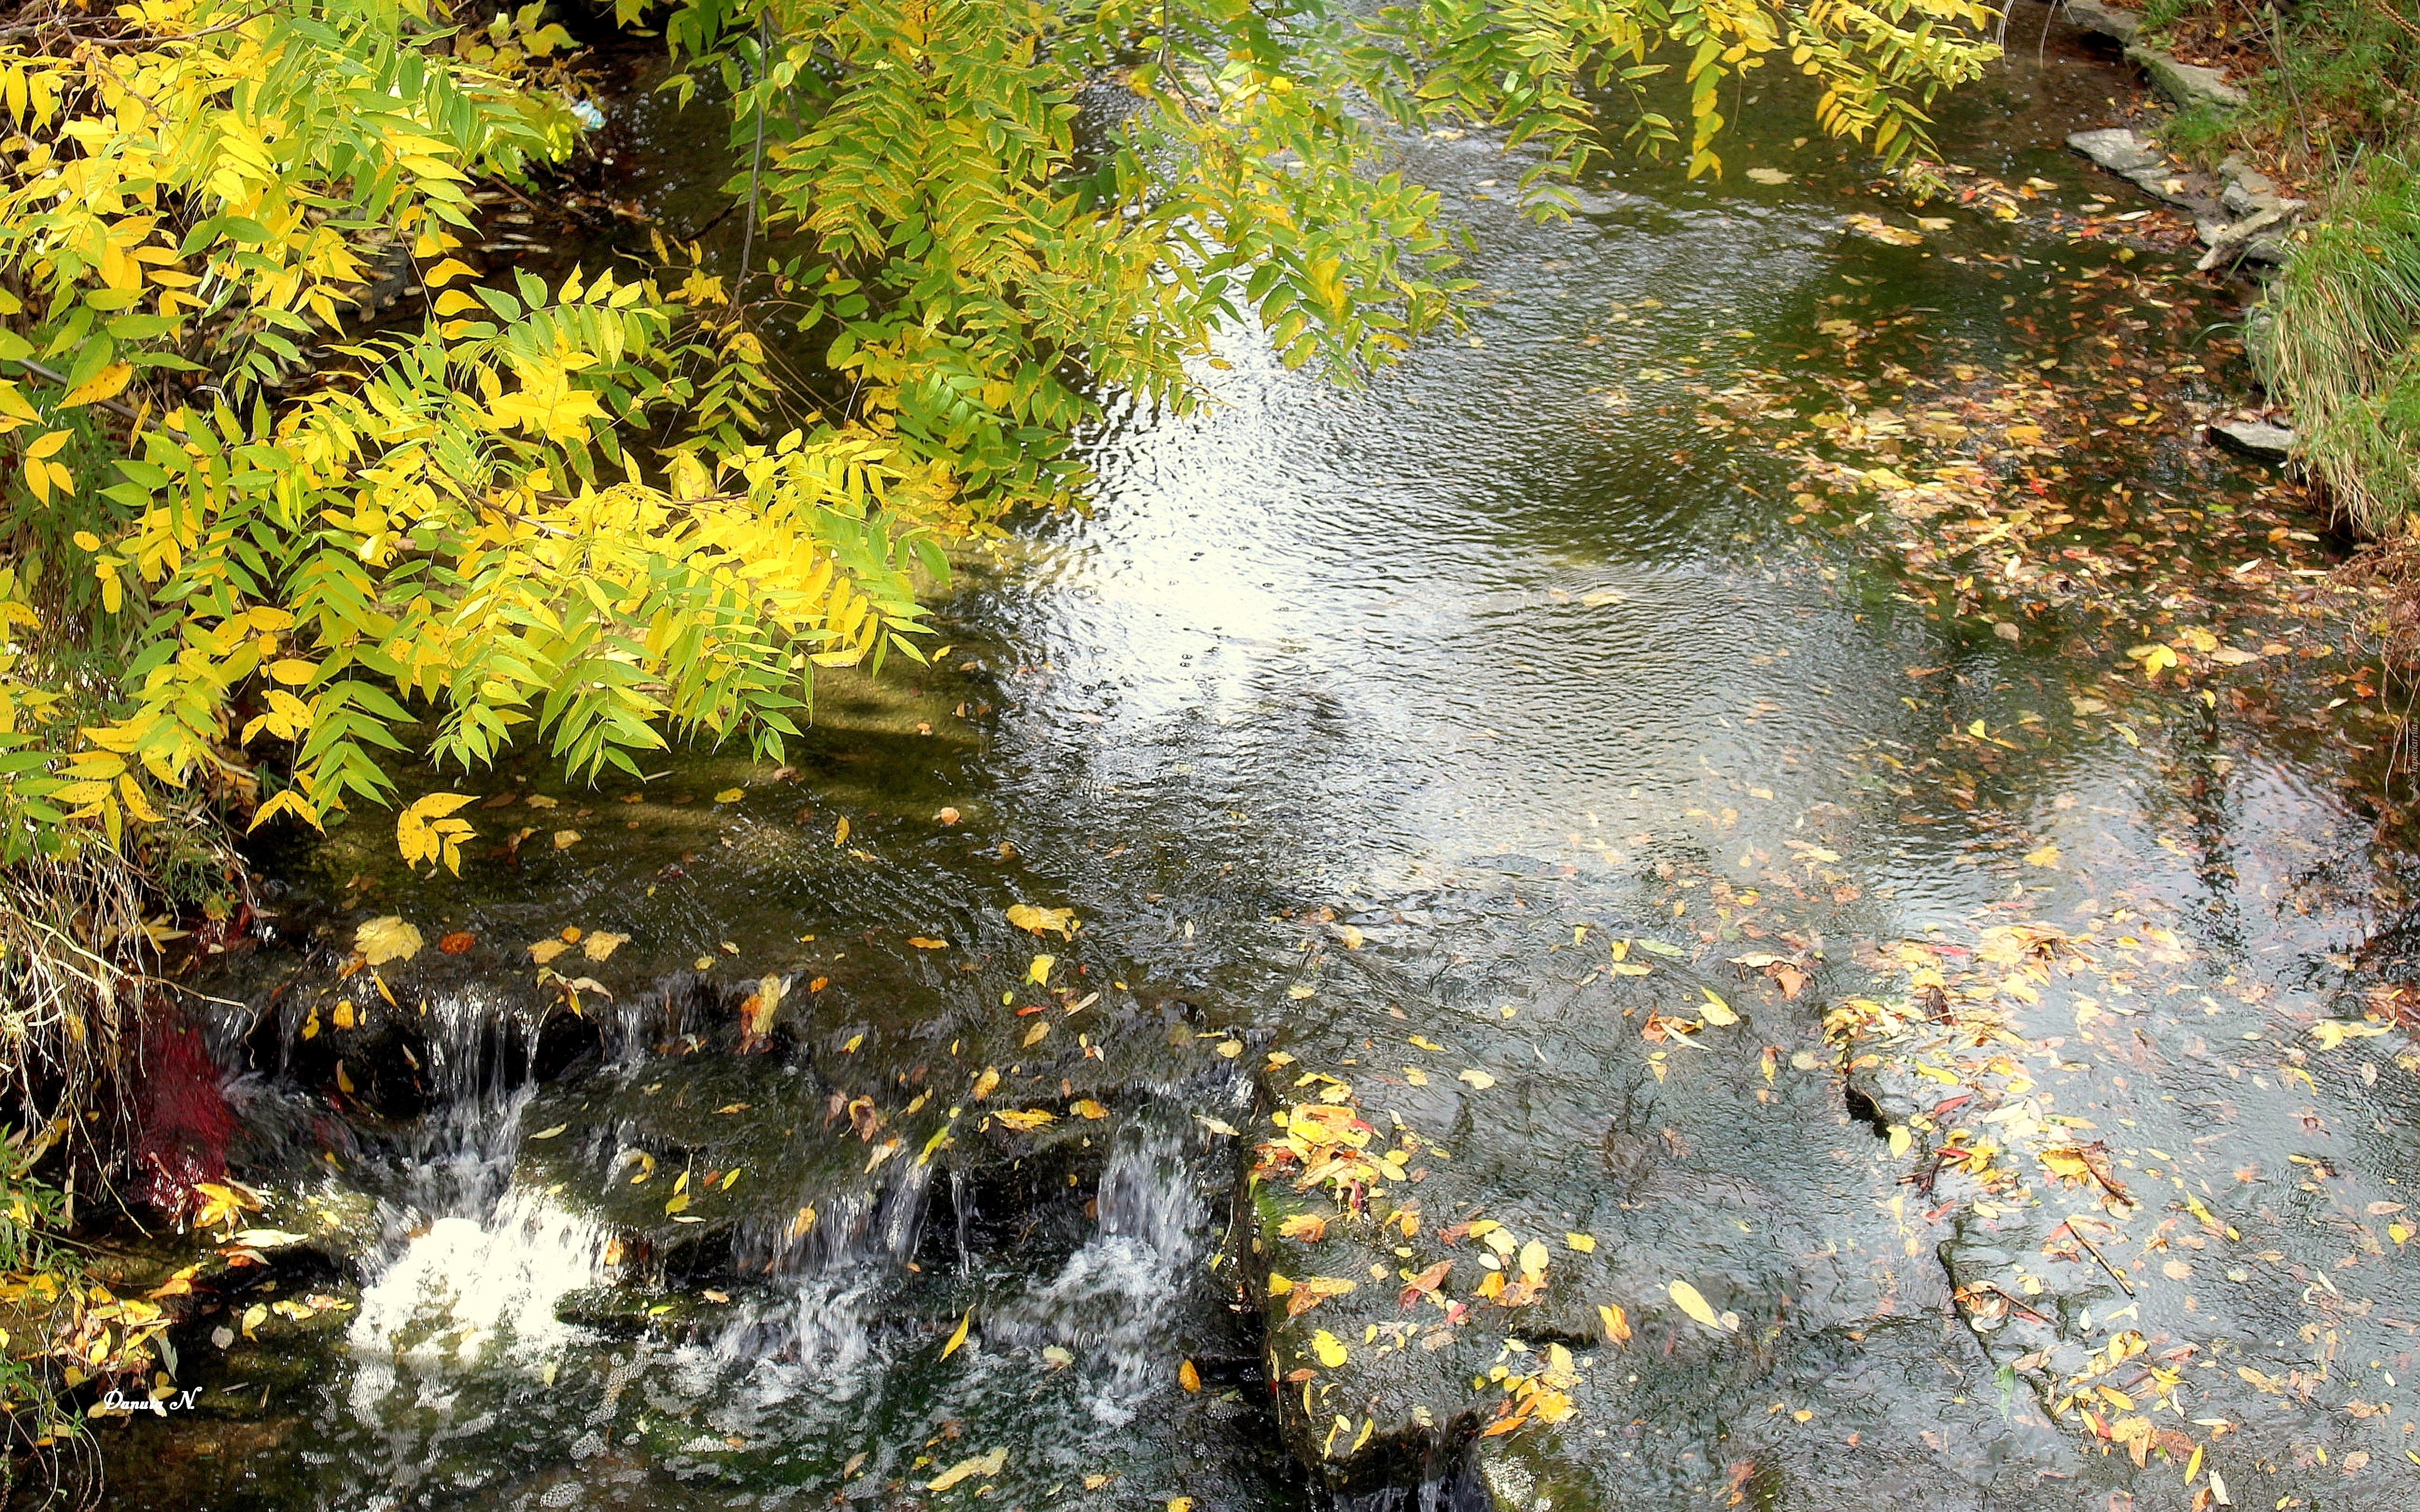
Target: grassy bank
(2333, 105)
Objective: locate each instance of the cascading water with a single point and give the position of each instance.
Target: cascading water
(470, 1261)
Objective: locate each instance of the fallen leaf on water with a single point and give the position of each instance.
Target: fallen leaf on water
(1584, 1243)
(1883, 231)
(1028, 1119)
(342, 1014)
(840, 833)
(985, 1083)
(1617, 1323)
(1300, 989)
(1056, 1357)
(925, 942)
(539, 800)
(947, 816)
(1033, 1036)
(1061, 921)
(1714, 1009)
(1084, 1107)
(1187, 1377)
(1180, 1504)
(1768, 175)
(546, 951)
(1691, 1301)
(1330, 1352)
(990, 1464)
(1425, 1283)
(730, 795)
(960, 1337)
(1231, 1048)
(602, 944)
(549, 1134)
(1310, 1228)
(1311, 1291)
(2046, 857)
(1217, 1126)
(1037, 971)
(386, 938)
(565, 839)
(1475, 1078)
(456, 943)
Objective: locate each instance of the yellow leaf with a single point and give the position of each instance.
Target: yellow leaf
(1036, 921)
(343, 1014)
(1479, 1079)
(1084, 1107)
(1691, 1301)
(1187, 1377)
(386, 938)
(565, 839)
(1027, 1120)
(987, 1083)
(1037, 971)
(422, 832)
(1714, 1009)
(49, 446)
(960, 1337)
(990, 1464)
(602, 943)
(2047, 858)
(730, 795)
(105, 385)
(1616, 1324)
(1330, 1351)
(1584, 1243)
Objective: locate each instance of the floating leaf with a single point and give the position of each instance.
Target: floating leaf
(1479, 1079)
(549, 1134)
(958, 1338)
(1027, 1120)
(386, 938)
(730, 795)
(546, 951)
(459, 942)
(601, 944)
(1617, 1323)
(1768, 175)
(565, 839)
(1187, 1377)
(1714, 1009)
(1330, 1351)
(1691, 1301)
(925, 942)
(1084, 1107)
(990, 1464)
(1061, 921)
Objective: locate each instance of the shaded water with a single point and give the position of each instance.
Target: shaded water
(1351, 726)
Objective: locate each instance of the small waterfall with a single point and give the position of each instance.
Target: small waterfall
(1108, 1302)
(470, 1261)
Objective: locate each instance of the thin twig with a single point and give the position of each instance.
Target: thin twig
(2090, 1248)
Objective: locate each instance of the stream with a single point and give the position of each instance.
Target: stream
(1438, 753)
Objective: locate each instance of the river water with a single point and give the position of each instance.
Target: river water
(1456, 740)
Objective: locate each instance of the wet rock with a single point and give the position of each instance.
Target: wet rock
(2188, 84)
(2254, 438)
(2104, 21)
(1610, 1166)
(2118, 150)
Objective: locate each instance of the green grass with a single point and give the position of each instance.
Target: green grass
(2343, 345)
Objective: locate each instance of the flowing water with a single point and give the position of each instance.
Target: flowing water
(1352, 725)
